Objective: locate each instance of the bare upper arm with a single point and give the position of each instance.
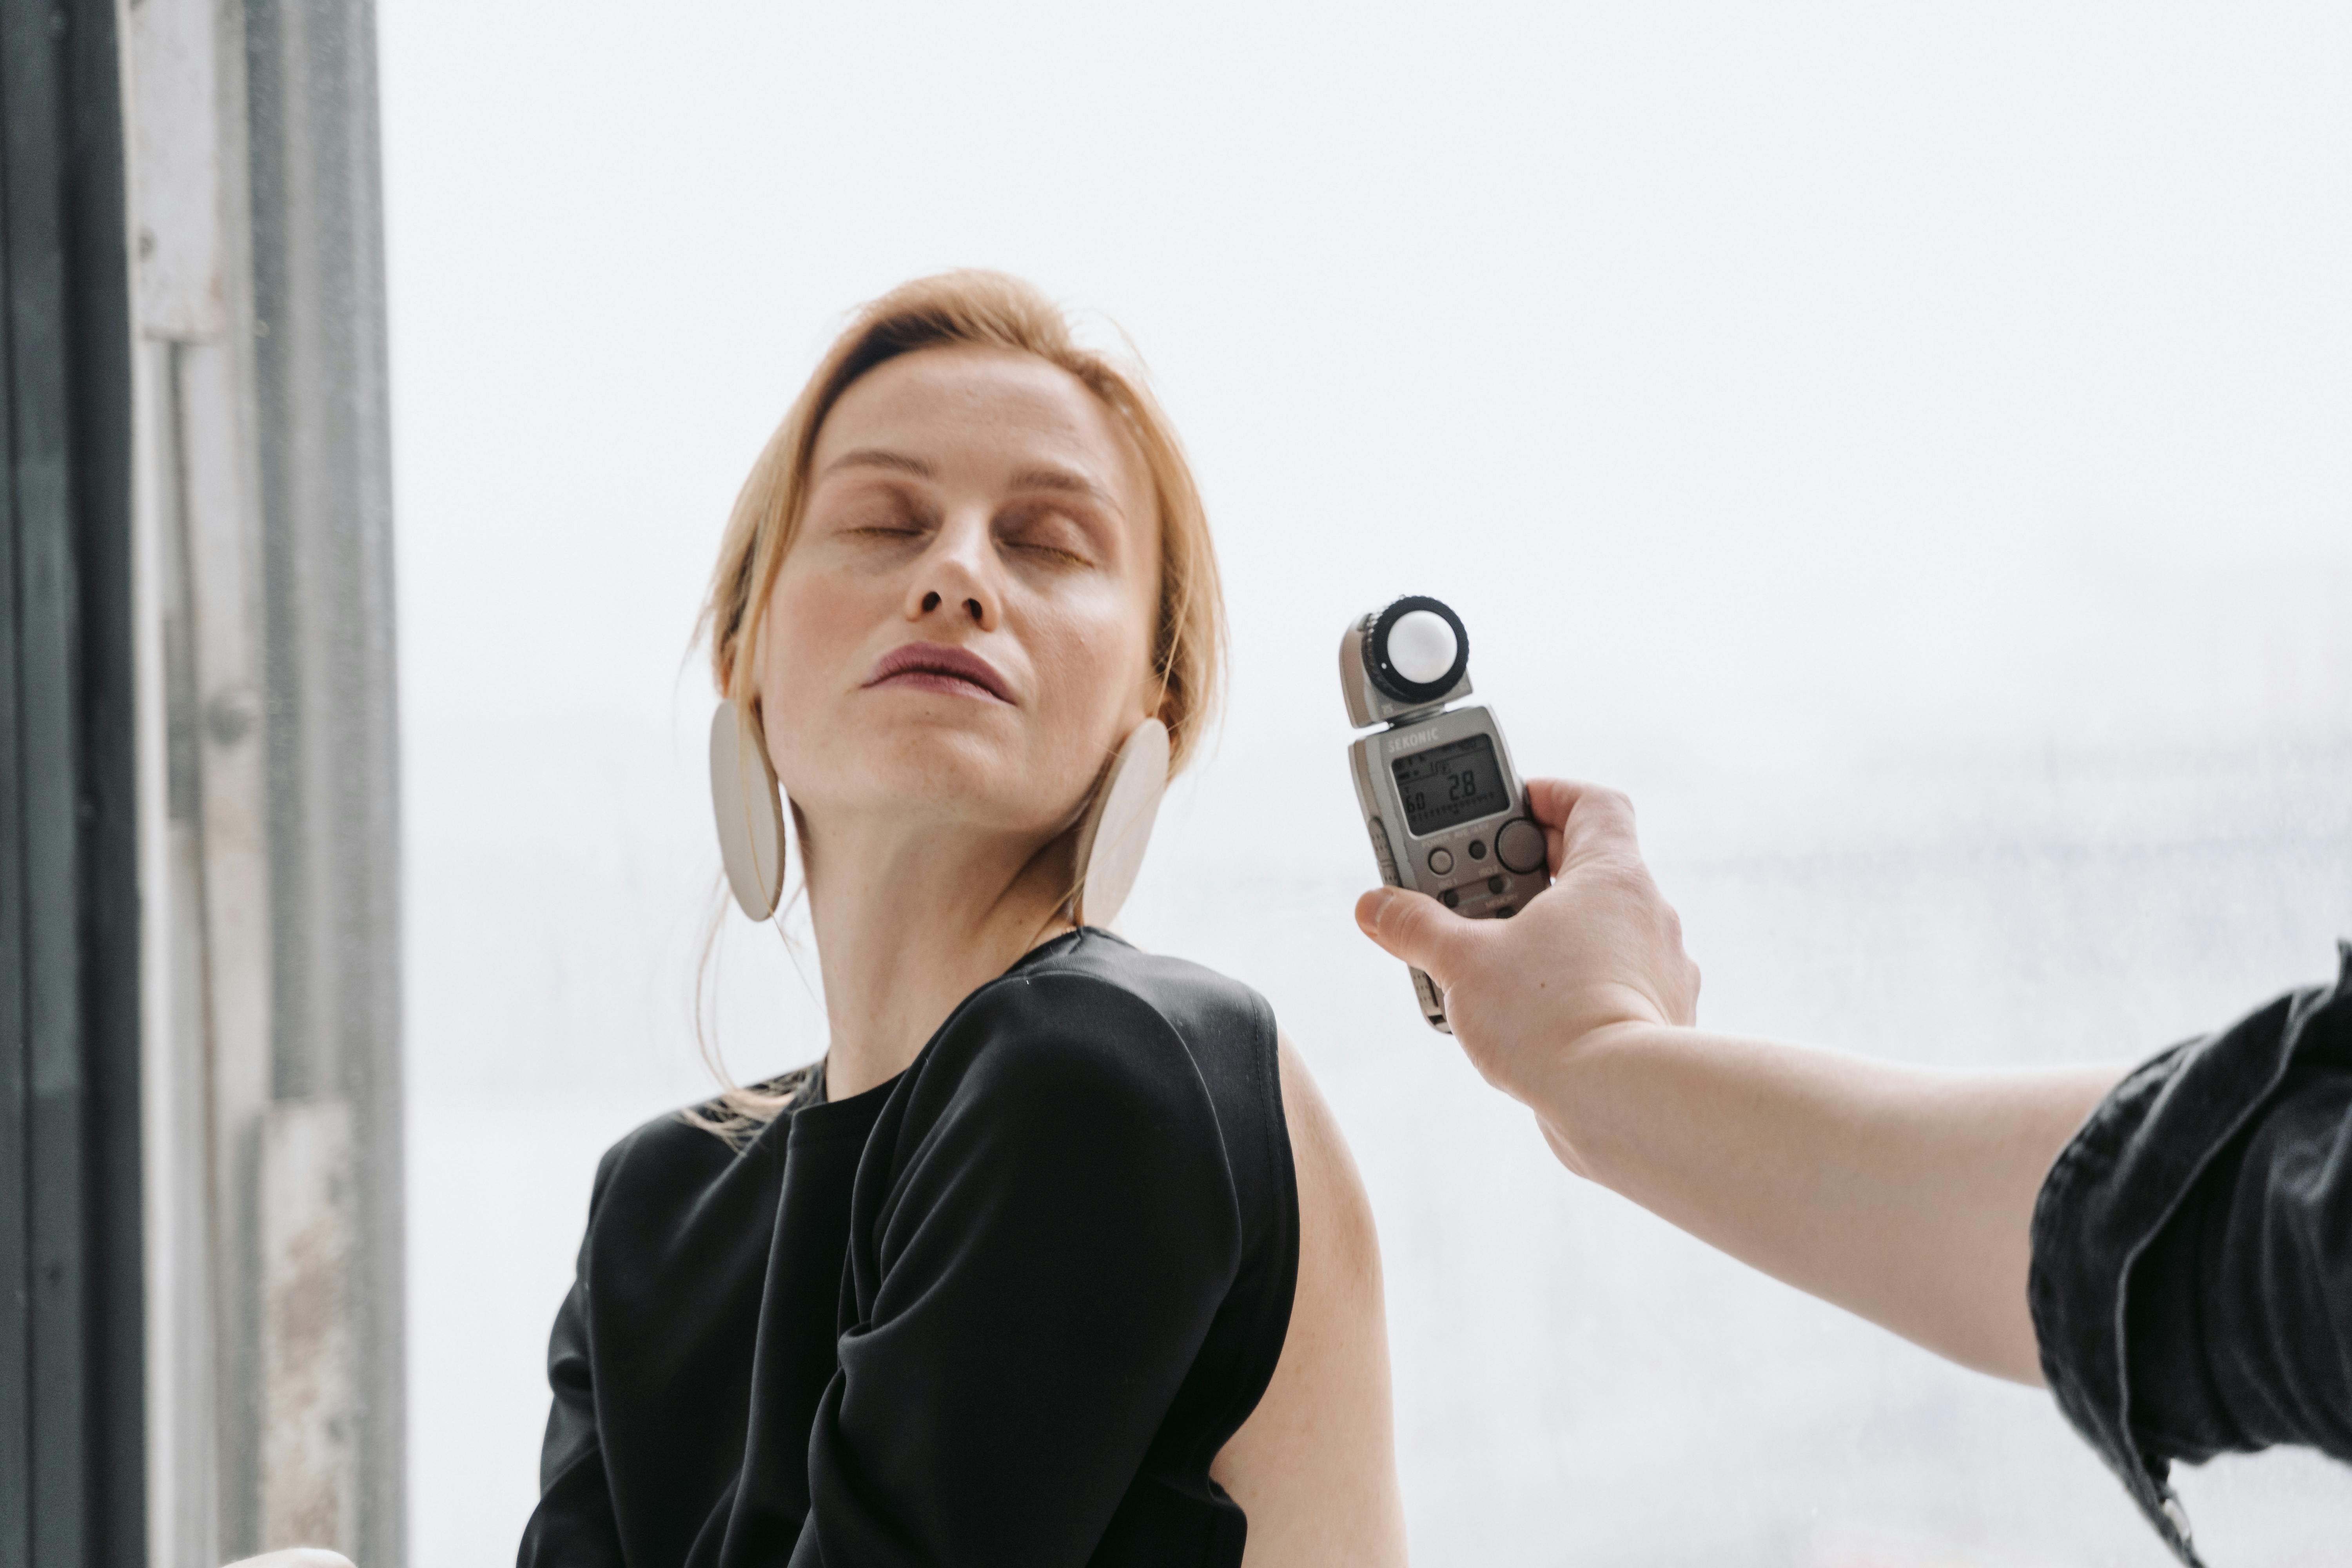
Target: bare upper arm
(1315, 1465)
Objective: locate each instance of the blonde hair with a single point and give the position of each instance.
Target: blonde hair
(984, 309)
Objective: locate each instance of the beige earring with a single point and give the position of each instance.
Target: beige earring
(1118, 826)
(750, 811)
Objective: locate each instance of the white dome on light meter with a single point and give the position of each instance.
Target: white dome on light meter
(1421, 647)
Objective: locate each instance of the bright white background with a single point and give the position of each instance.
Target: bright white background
(1909, 447)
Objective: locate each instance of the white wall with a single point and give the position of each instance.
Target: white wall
(1906, 451)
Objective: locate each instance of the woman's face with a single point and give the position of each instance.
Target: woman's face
(961, 631)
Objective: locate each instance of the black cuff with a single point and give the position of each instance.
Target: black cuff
(2111, 1192)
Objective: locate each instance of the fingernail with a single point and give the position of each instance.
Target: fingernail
(1371, 907)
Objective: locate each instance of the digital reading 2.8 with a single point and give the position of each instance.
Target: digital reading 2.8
(1449, 784)
(1446, 813)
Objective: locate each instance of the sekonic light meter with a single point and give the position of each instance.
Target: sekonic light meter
(1447, 812)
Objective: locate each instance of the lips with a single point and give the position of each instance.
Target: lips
(939, 667)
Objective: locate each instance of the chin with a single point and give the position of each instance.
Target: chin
(950, 773)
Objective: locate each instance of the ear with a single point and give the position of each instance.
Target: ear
(1117, 828)
(749, 810)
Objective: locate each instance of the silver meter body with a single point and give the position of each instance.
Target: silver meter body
(1447, 814)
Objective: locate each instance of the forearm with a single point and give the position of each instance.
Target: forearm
(1902, 1194)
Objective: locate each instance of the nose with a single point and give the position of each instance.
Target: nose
(956, 577)
(971, 606)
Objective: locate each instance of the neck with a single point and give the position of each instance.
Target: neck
(911, 923)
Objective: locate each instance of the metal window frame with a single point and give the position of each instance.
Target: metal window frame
(72, 1313)
(199, 847)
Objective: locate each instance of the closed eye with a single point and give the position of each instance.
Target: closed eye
(887, 519)
(1050, 552)
(1048, 534)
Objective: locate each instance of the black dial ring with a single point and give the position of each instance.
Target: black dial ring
(1376, 651)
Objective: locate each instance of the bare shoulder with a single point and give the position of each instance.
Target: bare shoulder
(1315, 1466)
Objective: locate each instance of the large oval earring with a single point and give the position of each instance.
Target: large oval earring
(1118, 826)
(750, 811)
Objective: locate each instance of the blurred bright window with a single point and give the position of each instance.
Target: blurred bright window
(1906, 448)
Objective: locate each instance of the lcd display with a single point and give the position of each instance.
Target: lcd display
(1448, 785)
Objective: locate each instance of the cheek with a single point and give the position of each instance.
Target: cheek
(1095, 658)
(810, 630)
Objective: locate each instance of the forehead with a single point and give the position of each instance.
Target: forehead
(984, 412)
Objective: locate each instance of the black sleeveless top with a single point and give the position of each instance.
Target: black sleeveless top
(1003, 1308)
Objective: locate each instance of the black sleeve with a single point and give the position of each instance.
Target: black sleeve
(2191, 1285)
(1058, 1231)
(573, 1523)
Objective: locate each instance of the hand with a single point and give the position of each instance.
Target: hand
(1600, 949)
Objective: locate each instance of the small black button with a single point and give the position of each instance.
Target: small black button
(1495, 884)
(1503, 911)
(1453, 896)
(1477, 849)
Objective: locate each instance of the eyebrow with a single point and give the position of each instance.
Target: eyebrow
(1065, 480)
(878, 457)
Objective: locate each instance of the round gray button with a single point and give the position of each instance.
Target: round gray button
(1441, 861)
(1520, 846)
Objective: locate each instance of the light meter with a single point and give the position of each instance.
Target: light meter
(1445, 809)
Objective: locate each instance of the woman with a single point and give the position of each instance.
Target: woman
(1056, 1256)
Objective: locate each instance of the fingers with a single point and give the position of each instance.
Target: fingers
(1417, 929)
(1552, 800)
(1582, 821)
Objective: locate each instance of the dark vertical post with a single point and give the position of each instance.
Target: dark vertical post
(72, 1477)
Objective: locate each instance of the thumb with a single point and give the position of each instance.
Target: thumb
(1415, 927)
